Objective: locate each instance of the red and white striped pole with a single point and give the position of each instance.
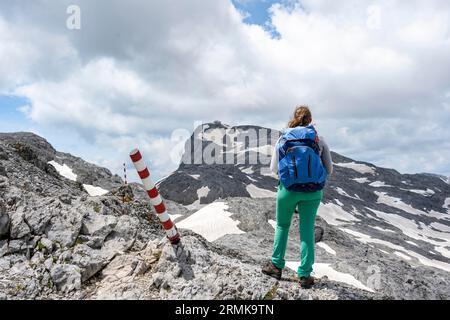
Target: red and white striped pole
(155, 198)
(125, 173)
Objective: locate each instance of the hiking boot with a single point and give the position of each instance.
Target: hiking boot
(270, 270)
(306, 283)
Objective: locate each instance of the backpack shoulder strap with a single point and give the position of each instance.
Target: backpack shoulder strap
(282, 147)
(316, 139)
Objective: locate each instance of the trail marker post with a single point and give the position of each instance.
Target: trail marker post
(125, 173)
(155, 198)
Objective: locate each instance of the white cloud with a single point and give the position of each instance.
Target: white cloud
(134, 73)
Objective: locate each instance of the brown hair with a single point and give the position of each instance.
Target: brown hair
(302, 117)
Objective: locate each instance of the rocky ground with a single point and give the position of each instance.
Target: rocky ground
(58, 242)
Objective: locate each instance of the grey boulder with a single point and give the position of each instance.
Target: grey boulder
(66, 277)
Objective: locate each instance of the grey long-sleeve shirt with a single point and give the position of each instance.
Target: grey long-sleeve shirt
(324, 153)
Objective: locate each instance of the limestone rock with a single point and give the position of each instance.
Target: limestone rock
(66, 277)
(3, 247)
(98, 227)
(65, 227)
(90, 261)
(19, 228)
(4, 220)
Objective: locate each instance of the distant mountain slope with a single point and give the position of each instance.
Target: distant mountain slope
(38, 151)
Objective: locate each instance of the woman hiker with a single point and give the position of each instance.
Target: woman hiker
(302, 161)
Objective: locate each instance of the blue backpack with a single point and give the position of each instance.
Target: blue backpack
(300, 168)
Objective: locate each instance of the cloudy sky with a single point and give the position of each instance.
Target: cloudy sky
(375, 73)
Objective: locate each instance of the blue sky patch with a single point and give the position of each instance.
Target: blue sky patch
(11, 118)
(257, 12)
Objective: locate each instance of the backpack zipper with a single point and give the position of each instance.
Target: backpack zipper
(295, 168)
(309, 166)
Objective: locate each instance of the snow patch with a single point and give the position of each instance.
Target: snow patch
(399, 204)
(193, 206)
(335, 215)
(256, 192)
(443, 251)
(402, 255)
(423, 260)
(379, 184)
(94, 191)
(341, 191)
(440, 227)
(268, 173)
(345, 194)
(248, 170)
(355, 212)
(358, 167)
(381, 229)
(412, 243)
(361, 180)
(203, 192)
(195, 176)
(414, 230)
(447, 205)
(64, 170)
(425, 193)
(212, 222)
(324, 269)
(327, 248)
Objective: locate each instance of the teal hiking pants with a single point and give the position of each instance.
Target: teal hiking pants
(307, 204)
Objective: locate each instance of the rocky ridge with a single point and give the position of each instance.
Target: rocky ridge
(58, 242)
